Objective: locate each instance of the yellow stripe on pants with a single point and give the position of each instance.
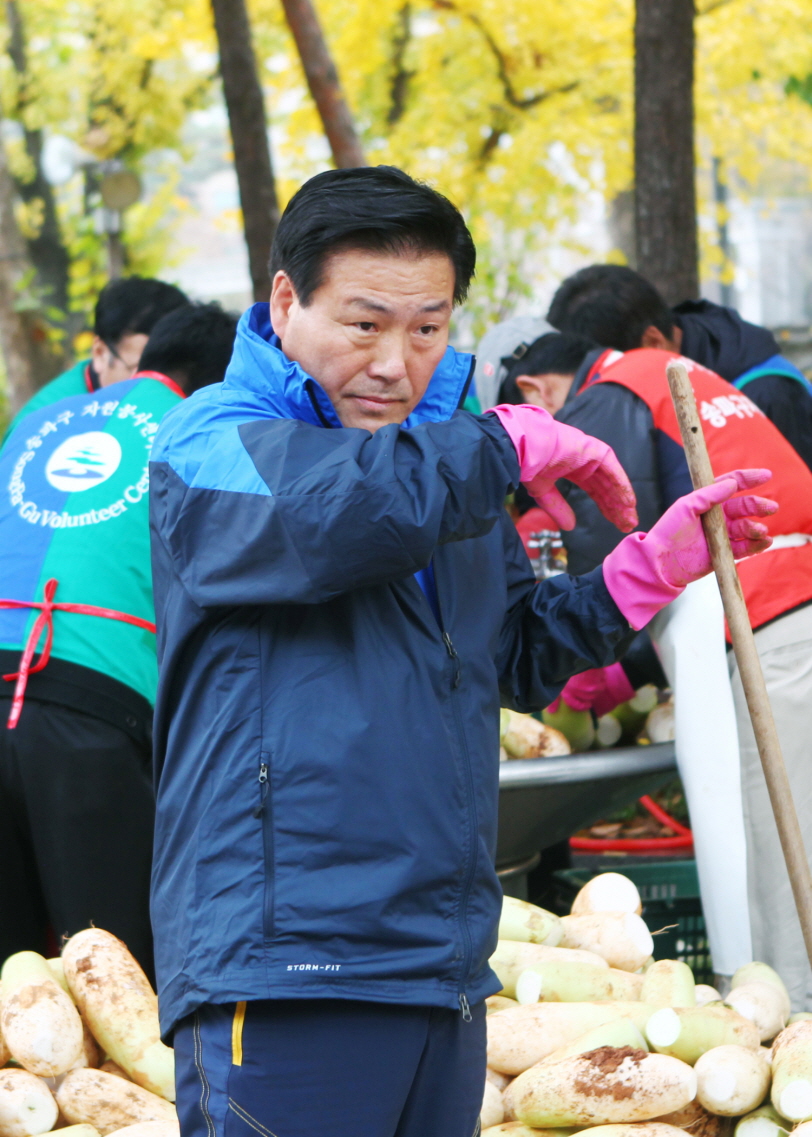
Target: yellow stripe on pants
(236, 1034)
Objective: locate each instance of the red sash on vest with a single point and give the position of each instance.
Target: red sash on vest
(739, 435)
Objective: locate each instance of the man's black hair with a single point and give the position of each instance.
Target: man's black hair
(554, 352)
(379, 208)
(133, 306)
(612, 304)
(192, 345)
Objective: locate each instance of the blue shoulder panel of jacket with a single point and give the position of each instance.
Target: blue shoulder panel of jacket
(184, 442)
(776, 365)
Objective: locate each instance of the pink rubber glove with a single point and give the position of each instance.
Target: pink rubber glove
(648, 570)
(600, 690)
(548, 450)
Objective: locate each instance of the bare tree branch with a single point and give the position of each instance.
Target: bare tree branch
(249, 136)
(323, 81)
(401, 77)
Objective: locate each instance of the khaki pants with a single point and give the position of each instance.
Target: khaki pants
(785, 650)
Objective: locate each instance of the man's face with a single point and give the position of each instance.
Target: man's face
(113, 364)
(373, 332)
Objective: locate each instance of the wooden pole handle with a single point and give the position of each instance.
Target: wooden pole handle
(744, 647)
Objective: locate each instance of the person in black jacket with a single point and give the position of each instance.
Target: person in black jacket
(619, 308)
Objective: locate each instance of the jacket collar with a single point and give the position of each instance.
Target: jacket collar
(261, 369)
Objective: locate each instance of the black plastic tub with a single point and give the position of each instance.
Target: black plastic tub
(545, 800)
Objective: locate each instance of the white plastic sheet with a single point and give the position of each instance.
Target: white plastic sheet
(689, 635)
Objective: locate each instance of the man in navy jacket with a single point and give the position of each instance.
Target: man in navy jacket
(342, 604)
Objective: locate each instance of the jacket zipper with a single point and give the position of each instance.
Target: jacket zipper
(263, 783)
(468, 880)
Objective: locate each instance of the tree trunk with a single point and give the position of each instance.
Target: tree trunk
(249, 138)
(24, 337)
(665, 190)
(46, 250)
(322, 79)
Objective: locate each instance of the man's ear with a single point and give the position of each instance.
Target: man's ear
(283, 297)
(653, 337)
(98, 353)
(534, 389)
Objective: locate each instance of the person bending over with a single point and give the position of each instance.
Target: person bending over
(617, 307)
(125, 314)
(76, 798)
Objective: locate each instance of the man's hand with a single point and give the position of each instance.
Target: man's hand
(600, 689)
(648, 570)
(548, 450)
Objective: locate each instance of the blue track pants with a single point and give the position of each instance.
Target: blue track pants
(304, 1068)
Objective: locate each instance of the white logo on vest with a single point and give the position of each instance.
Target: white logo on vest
(83, 461)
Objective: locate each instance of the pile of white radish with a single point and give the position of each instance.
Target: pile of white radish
(590, 1035)
(80, 1046)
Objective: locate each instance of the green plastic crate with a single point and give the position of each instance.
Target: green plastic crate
(672, 907)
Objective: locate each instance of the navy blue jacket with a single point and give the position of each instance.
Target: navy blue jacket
(326, 752)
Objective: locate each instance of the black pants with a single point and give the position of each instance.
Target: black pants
(76, 821)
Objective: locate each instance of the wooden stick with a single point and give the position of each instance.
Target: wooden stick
(744, 647)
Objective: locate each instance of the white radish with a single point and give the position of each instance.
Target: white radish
(567, 982)
(627, 986)
(109, 1103)
(525, 737)
(608, 731)
(120, 1007)
(732, 1080)
(512, 958)
(706, 994)
(492, 1111)
(151, 1129)
(90, 1051)
(669, 983)
(516, 1129)
(763, 1122)
(111, 1067)
(758, 973)
(619, 1032)
(799, 1017)
(58, 972)
(607, 892)
(792, 1072)
(603, 1086)
(40, 1024)
(695, 1119)
(527, 923)
(639, 1129)
(764, 1004)
(501, 1081)
(687, 1032)
(495, 1003)
(661, 723)
(520, 1037)
(621, 938)
(27, 1106)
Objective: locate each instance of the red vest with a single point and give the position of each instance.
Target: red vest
(738, 435)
